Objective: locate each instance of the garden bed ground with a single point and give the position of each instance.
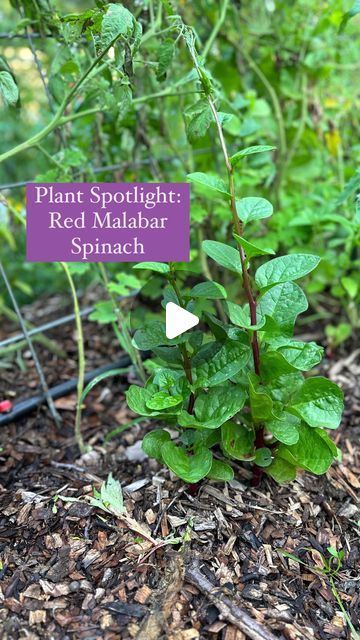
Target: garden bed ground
(70, 571)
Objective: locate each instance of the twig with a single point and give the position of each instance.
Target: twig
(39, 370)
(228, 609)
(81, 359)
(216, 28)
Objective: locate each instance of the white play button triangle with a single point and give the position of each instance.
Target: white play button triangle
(178, 320)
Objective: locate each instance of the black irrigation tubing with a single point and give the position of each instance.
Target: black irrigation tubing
(45, 327)
(24, 407)
(56, 323)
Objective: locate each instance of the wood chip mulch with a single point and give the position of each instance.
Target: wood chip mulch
(70, 571)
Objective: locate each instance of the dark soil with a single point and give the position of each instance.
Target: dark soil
(70, 571)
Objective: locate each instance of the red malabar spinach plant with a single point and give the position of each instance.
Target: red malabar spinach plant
(241, 388)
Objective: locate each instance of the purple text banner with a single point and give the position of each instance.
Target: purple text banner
(107, 222)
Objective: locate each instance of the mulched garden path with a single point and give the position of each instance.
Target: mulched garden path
(70, 571)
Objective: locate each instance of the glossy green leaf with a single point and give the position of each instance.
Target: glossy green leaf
(138, 397)
(190, 468)
(223, 254)
(261, 404)
(210, 290)
(159, 267)
(241, 316)
(219, 404)
(263, 457)
(220, 471)
(281, 471)
(237, 442)
(253, 209)
(153, 335)
(153, 442)
(162, 400)
(273, 365)
(319, 402)
(251, 249)
(301, 355)
(285, 428)
(209, 182)
(283, 303)
(216, 362)
(260, 148)
(285, 269)
(311, 452)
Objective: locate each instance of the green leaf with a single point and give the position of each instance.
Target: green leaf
(273, 365)
(159, 267)
(165, 378)
(211, 183)
(99, 378)
(281, 471)
(263, 457)
(217, 362)
(261, 403)
(260, 148)
(200, 122)
(223, 254)
(301, 355)
(8, 88)
(285, 428)
(162, 400)
(117, 22)
(253, 209)
(165, 56)
(153, 335)
(125, 283)
(319, 402)
(171, 355)
(219, 404)
(251, 249)
(190, 468)
(111, 495)
(283, 303)
(221, 471)
(310, 452)
(283, 387)
(237, 442)
(138, 397)
(285, 269)
(332, 446)
(104, 312)
(240, 316)
(153, 442)
(351, 286)
(352, 185)
(210, 290)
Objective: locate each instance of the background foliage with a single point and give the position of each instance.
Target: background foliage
(285, 74)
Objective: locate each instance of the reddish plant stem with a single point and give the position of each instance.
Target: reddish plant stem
(238, 228)
(259, 441)
(259, 438)
(258, 471)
